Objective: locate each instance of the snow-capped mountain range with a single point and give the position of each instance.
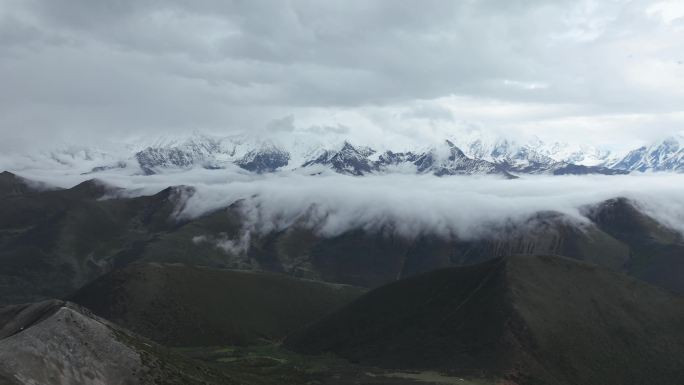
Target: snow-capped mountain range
(503, 157)
(667, 155)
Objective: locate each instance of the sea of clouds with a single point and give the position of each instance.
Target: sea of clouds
(463, 206)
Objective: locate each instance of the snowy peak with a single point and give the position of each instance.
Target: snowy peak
(348, 160)
(524, 158)
(195, 151)
(451, 160)
(446, 159)
(268, 158)
(536, 151)
(212, 153)
(666, 155)
(390, 158)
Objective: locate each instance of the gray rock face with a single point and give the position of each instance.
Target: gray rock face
(348, 160)
(199, 151)
(15, 318)
(60, 344)
(265, 160)
(457, 163)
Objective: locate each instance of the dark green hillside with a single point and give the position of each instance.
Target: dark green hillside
(180, 305)
(410, 323)
(531, 320)
(11, 184)
(58, 342)
(180, 244)
(371, 259)
(656, 252)
(52, 242)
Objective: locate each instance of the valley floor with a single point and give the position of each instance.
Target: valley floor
(270, 364)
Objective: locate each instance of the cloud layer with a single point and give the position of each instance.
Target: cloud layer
(409, 205)
(463, 207)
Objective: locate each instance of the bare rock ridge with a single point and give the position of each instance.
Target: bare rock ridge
(60, 343)
(15, 318)
(54, 342)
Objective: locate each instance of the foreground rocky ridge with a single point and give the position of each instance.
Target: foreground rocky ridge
(60, 343)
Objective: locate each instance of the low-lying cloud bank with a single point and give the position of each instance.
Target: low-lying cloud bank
(465, 207)
(409, 205)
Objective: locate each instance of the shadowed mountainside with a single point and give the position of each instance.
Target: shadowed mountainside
(52, 242)
(530, 320)
(179, 305)
(656, 252)
(515, 318)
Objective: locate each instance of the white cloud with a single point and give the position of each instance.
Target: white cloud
(669, 11)
(466, 207)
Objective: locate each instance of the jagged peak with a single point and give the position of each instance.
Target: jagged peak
(347, 145)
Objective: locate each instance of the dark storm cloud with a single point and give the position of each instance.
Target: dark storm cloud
(75, 69)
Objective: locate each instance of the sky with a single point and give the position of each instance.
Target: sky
(96, 71)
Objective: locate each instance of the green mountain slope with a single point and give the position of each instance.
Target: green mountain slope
(530, 320)
(52, 242)
(179, 305)
(656, 252)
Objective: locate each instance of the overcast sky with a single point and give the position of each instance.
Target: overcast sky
(609, 71)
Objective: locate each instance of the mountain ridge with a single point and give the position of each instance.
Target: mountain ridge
(252, 153)
(54, 241)
(446, 158)
(525, 319)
